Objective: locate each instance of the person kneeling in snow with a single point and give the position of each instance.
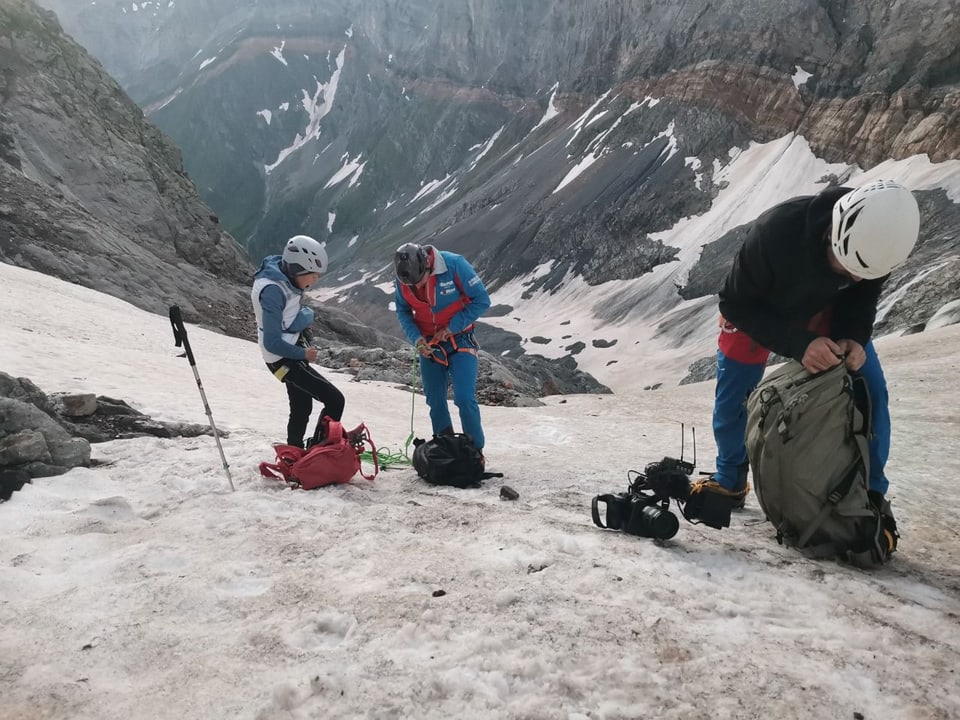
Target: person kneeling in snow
(805, 284)
(282, 325)
(438, 297)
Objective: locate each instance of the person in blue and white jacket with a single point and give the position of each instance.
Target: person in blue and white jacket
(438, 298)
(282, 332)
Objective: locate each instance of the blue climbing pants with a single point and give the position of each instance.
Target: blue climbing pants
(461, 370)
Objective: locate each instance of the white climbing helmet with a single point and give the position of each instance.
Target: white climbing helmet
(874, 228)
(302, 255)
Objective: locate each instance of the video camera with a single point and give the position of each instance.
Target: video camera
(644, 510)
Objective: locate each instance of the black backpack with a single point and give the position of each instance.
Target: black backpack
(450, 460)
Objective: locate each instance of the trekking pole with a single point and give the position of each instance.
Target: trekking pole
(180, 338)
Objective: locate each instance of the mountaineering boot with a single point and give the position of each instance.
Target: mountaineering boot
(319, 435)
(889, 524)
(741, 491)
(742, 471)
(710, 503)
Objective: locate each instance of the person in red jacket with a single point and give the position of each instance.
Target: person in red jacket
(805, 285)
(438, 298)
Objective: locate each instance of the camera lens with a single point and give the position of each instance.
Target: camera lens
(654, 522)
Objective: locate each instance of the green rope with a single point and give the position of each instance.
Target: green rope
(386, 458)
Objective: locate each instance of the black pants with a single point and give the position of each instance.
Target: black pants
(304, 385)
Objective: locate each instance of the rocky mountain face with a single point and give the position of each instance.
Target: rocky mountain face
(560, 133)
(94, 193)
(369, 123)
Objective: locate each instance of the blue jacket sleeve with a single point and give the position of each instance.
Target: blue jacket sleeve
(302, 321)
(405, 315)
(479, 299)
(272, 302)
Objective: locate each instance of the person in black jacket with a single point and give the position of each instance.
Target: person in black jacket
(805, 284)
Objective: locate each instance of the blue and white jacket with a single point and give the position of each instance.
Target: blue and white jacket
(455, 298)
(280, 316)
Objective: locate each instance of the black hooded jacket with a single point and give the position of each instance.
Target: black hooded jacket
(781, 278)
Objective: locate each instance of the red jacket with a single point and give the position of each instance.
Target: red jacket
(455, 298)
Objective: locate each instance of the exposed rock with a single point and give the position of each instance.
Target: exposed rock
(716, 259)
(706, 368)
(11, 481)
(76, 405)
(23, 447)
(878, 83)
(498, 311)
(42, 469)
(39, 438)
(23, 389)
(94, 194)
(500, 380)
(949, 314)
(100, 197)
(701, 370)
(25, 423)
(116, 420)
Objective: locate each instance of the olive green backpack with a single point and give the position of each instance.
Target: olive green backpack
(807, 440)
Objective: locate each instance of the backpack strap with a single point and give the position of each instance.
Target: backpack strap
(838, 493)
(287, 455)
(843, 487)
(334, 432)
(274, 471)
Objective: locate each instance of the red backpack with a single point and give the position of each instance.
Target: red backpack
(333, 461)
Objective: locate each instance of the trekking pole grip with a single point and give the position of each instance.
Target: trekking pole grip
(180, 332)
